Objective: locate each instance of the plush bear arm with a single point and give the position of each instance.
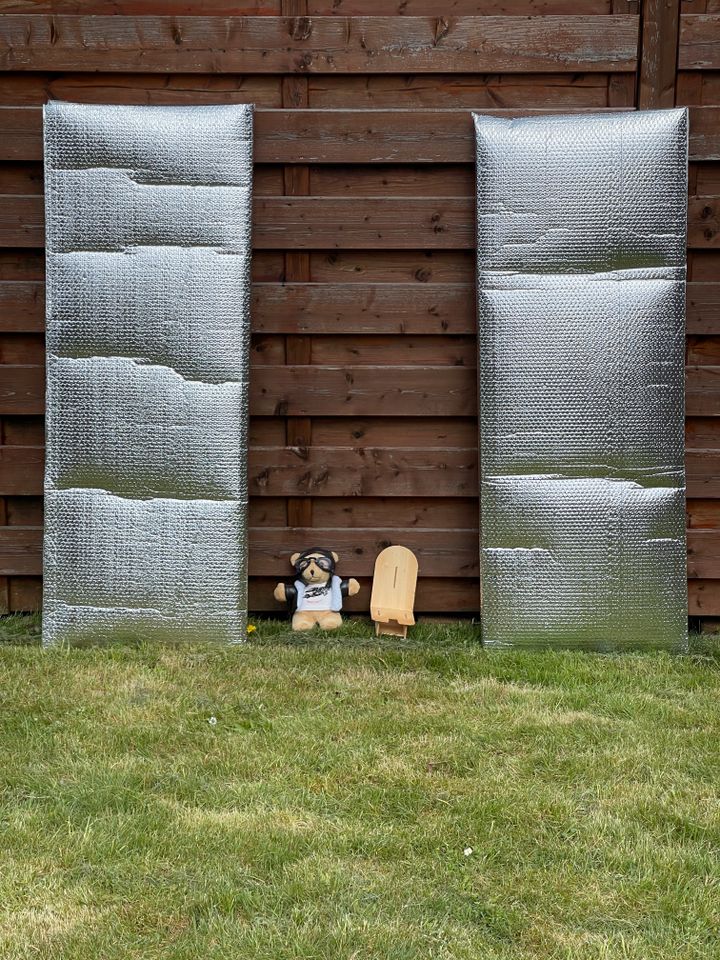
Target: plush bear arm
(348, 588)
(279, 593)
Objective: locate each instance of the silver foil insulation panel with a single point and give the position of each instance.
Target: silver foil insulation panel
(581, 310)
(148, 276)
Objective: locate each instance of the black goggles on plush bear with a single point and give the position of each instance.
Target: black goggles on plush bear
(322, 559)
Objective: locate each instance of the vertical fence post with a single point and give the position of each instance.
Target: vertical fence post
(298, 349)
(658, 54)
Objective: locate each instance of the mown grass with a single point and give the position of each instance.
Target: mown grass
(326, 812)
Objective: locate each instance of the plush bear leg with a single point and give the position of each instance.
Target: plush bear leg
(329, 620)
(304, 620)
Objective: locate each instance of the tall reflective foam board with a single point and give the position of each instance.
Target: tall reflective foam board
(581, 310)
(148, 272)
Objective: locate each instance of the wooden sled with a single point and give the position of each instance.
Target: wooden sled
(393, 591)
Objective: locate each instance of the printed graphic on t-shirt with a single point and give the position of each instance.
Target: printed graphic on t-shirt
(317, 597)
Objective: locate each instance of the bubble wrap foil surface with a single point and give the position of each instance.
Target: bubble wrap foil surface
(581, 318)
(148, 214)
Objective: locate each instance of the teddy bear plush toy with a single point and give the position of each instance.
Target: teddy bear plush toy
(315, 596)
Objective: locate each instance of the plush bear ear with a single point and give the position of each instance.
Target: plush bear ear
(334, 556)
(294, 558)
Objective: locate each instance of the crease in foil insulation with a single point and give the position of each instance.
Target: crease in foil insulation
(581, 316)
(148, 214)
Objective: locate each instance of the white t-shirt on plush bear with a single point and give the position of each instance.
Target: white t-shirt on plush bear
(319, 596)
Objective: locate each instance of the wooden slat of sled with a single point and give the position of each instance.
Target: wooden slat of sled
(319, 45)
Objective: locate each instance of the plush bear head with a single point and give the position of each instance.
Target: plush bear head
(315, 565)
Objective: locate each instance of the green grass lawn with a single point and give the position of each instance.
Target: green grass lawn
(314, 797)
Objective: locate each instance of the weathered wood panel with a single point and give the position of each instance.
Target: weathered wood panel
(353, 309)
(363, 304)
(358, 471)
(699, 42)
(442, 553)
(309, 223)
(360, 136)
(318, 45)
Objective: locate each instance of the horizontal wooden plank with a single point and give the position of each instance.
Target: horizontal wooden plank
(395, 432)
(379, 350)
(22, 306)
(356, 223)
(306, 223)
(356, 136)
(21, 470)
(441, 553)
(417, 308)
(412, 308)
(353, 471)
(702, 514)
(316, 471)
(703, 554)
(360, 391)
(345, 91)
(318, 44)
(699, 47)
(703, 473)
(135, 8)
(414, 8)
(306, 391)
(375, 179)
(314, 136)
(703, 350)
(702, 433)
(20, 551)
(434, 595)
(28, 431)
(703, 265)
(374, 511)
(373, 136)
(22, 389)
(32, 89)
(28, 511)
(703, 308)
(460, 597)
(358, 308)
(517, 91)
(23, 431)
(702, 391)
(303, 391)
(30, 347)
(363, 471)
(456, 8)
(704, 222)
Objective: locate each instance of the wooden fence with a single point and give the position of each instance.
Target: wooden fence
(363, 401)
